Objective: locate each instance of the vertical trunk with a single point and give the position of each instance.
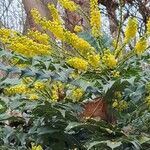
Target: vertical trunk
(112, 21)
(111, 7)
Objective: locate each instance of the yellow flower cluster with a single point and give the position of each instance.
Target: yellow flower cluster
(24, 45)
(77, 94)
(120, 105)
(31, 92)
(68, 4)
(38, 37)
(148, 27)
(115, 74)
(148, 86)
(53, 26)
(34, 147)
(78, 28)
(78, 43)
(33, 97)
(74, 75)
(109, 60)
(131, 29)
(141, 46)
(57, 88)
(17, 89)
(27, 47)
(60, 33)
(78, 63)
(5, 35)
(118, 95)
(38, 85)
(148, 100)
(95, 18)
(54, 13)
(37, 16)
(93, 60)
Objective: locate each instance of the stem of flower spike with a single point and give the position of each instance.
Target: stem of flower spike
(61, 49)
(84, 15)
(117, 55)
(100, 45)
(129, 55)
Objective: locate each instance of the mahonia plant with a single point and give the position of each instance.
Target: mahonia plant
(93, 72)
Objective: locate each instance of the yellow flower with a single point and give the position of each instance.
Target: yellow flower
(118, 95)
(36, 15)
(115, 104)
(74, 75)
(78, 43)
(77, 94)
(115, 74)
(33, 97)
(78, 63)
(68, 4)
(131, 29)
(81, 45)
(34, 147)
(94, 60)
(38, 37)
(78, 28)
(38, 85)
(20, 89)
(27, 47)
(148, 86)
(141, 46)
(147, 100)
(6, 34)
(24, 45)
(148, 27)
(95, 18)
(120, 105)
(54, 13)
(17, 89)
(109, 60)
(53, 26)
(57, 89)
(55, 96)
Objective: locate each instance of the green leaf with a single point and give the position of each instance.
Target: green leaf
(3, 106)
(144, 139)
(72, 125)
(95, 143)
(46, 130)
(108, 86)
(114, 144)
(136, 144)
(130, 80)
